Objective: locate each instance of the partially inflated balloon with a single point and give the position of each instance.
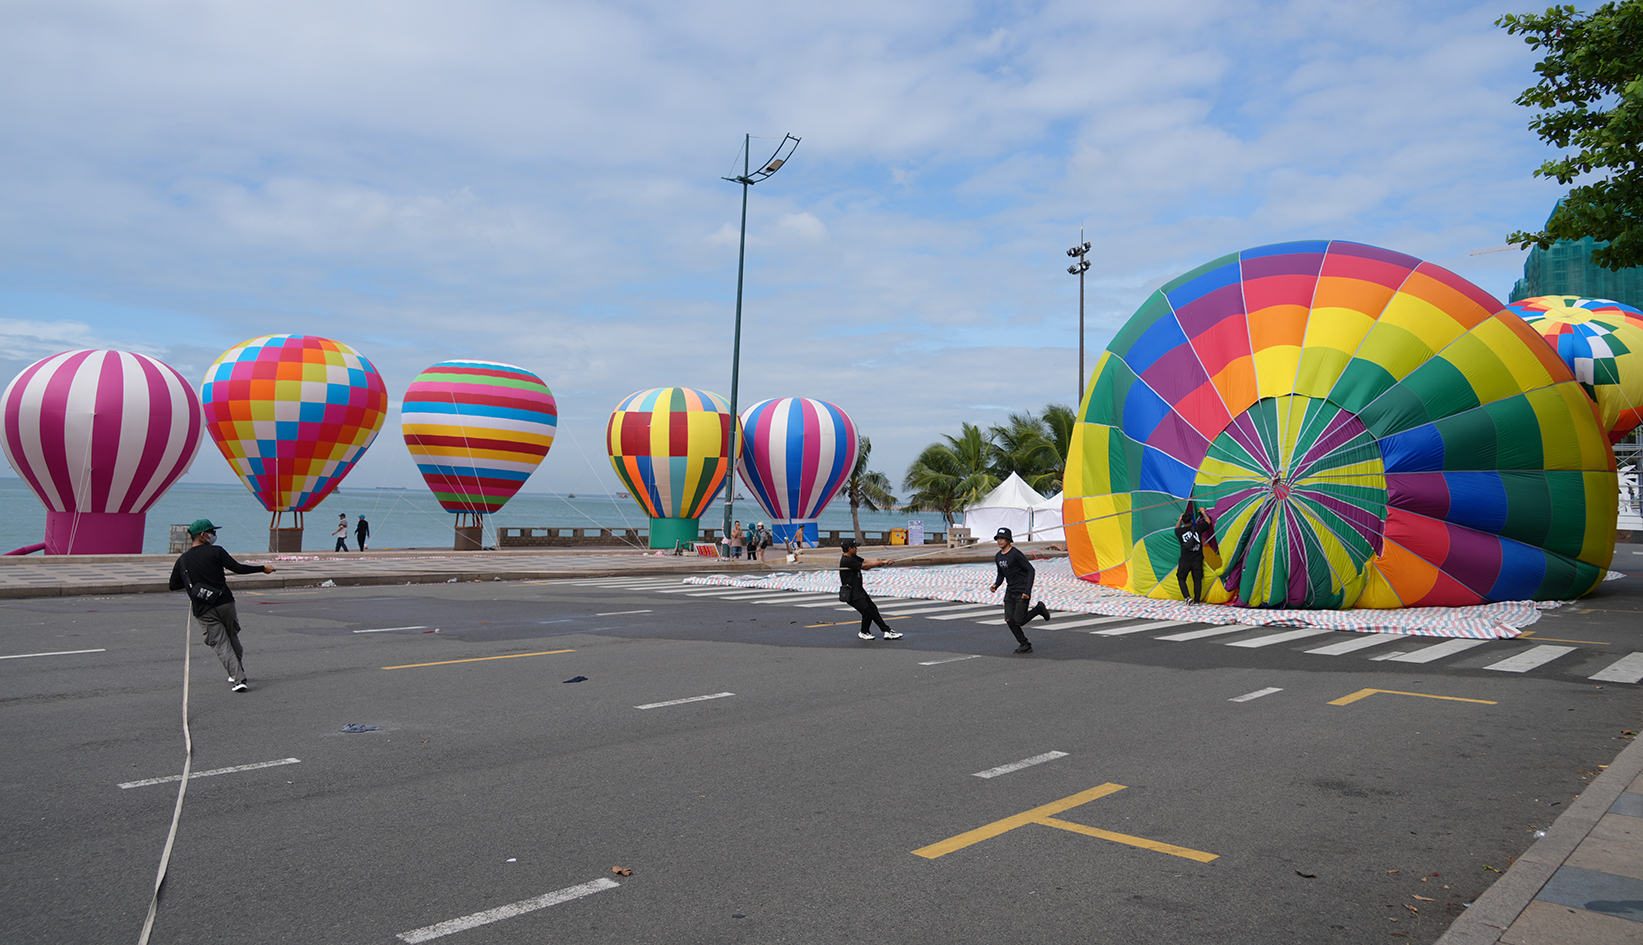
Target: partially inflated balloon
(292, 414)
(1602, 343)
(477, 430)
(671, 448)
(799, 452)
(1366, 428)
(99, 436)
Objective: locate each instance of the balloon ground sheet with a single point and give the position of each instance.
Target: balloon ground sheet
(1056, 586)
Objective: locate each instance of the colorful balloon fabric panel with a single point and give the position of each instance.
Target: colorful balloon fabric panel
(799, 453)
(477, 430)
(1367, 430)
(671, 448)
(292, 414)
(1602, 343)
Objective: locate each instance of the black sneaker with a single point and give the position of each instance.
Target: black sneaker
(1040, 611)
(1024, 648)
(241, 687)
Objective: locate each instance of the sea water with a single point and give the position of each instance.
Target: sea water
(400, 518)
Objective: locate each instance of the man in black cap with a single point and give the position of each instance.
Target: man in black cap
(851, 591)
(200, 571)
(1015, 572)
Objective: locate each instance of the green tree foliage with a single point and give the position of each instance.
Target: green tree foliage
(865, 488)
(956, 471)
(1591, 93)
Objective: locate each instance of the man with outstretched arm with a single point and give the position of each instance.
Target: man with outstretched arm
(199, 570)
(851, 591)
(1015, 572)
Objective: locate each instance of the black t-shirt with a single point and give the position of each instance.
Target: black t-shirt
(1015, 571)
(204, 566)
(850, 573)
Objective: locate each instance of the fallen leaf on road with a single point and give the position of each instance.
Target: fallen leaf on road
(1410, 908)
(621, 871)
(1426, 899)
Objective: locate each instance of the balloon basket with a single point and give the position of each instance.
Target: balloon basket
(668, 532)
(284, 540)
(470, 538)
(94, 533)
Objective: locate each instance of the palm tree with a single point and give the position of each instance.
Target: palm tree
(871, 489)
(948, 476)
(1034, 448)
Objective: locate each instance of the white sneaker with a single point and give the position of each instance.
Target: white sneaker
(891, 635)
(862, 635)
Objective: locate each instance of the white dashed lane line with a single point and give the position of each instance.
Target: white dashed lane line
(431, 932)
(20, 656)
(1249, 696)
(217, 771)
(1018, 765)
(661, 705)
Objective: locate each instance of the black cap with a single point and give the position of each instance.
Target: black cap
(1003, 533)
(849, 543)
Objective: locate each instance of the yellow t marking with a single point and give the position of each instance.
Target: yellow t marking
(1366, 693)
(1045, 816)
(479, 659)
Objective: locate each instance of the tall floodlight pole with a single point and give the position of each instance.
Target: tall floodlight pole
(1078, 268)
(746, 179)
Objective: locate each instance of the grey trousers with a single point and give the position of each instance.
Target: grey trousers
(222, 633)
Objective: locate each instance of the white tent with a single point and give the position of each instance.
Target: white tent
(1046, 521)
(1008, 506)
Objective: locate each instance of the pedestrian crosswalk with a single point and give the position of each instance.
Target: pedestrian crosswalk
(1514, 656)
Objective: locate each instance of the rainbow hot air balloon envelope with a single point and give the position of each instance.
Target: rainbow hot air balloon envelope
(99, 436)
(799, 452)
(292, 414)
(671, 448)
(1368, 429)
(1602, 343)
(477, 430)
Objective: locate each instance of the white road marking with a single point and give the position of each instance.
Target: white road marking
(1254, 695)
(19, 656)
(658, 705)
(389, 629)
(1361, 642)
(951, 659)
(430, 932)
(630, 582)
(977, 610)
(688, 588)
(1091, 622)
(1211, 632)
(919, 607)
(207, 774)
(822, 604)
(1140, 627)
(1437, 652)
(1530, 658)
(1284, 637)
(788, 597)
(1018, 765)
(718, 593)
(1628, 669)
(619, 613)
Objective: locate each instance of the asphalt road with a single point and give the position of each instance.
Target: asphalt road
(828, 793)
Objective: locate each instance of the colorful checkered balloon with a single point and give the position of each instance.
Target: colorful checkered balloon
(1602, 343)
(292, 414)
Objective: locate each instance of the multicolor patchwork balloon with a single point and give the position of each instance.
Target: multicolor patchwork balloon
(799, 453)
(477, 430)
(99, 436)
(1369, 430)
(671, 448)
(1602, 343)
(292, 414)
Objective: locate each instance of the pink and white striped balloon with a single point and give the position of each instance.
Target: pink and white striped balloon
(799, 453)
(99, 436)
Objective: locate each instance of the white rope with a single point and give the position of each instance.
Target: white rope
(182, 786)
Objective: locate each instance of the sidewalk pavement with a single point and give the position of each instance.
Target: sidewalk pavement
(1582, 884)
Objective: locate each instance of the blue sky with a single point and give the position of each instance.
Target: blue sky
(539, 183)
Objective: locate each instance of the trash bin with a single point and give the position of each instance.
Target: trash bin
(898, 536)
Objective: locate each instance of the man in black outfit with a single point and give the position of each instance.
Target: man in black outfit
(362, 531)
(200, 571)
(851, 591)
(1193, 530)
(1015, 572)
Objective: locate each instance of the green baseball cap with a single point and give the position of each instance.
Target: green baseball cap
(200, 526)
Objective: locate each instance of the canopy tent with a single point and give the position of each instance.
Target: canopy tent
(1012, 505)
(1046, 523)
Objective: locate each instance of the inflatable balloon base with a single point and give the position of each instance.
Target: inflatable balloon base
(783, 531)
(94, 533)
(668, 532)
(285, 540)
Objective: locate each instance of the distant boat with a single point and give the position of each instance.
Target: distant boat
(570, 495)
(623, 495)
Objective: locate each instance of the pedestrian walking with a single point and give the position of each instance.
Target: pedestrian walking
(1194, 530)
(851, 591)
(362, 531)
(199, 570)
(340, 533)
(1016, 573)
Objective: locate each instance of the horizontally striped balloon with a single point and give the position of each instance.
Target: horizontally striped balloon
(477, 430)
(671, 447)
(1602, 343)
(799, 453)
(292, 414)
(99, 436)
(1369, 430)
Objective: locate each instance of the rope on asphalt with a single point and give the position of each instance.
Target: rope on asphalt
(182, 786)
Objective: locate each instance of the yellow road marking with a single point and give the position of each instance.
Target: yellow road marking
(1366, 693)
(839, 624)
(479, 659)
(1045, 816)
(1531, 633)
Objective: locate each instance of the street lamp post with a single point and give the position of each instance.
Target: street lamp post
(747, 178)
(1078, 268)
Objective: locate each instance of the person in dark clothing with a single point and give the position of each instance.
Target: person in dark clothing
(1193, 530)
(199, 570)
(1015, 572)
(362, 531)
(851, 591)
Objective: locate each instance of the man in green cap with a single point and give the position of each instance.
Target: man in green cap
(200, 571)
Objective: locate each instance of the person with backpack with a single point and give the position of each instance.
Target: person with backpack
(1193, 530)
(853, 592)
(199, 570)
